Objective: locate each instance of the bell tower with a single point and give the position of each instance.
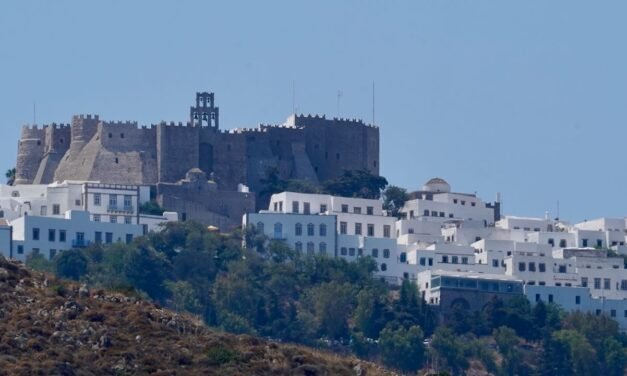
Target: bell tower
(205, 113)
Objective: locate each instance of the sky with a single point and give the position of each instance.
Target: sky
(525, 98)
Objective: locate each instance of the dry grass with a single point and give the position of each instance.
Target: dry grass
(48, 328)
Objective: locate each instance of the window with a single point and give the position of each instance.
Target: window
(430, 261)
(442, 214)
(403, 257)
(113, 219)
(343, 251)
(323, 230)
(53, 252)
(562, 243)
(495, 263)
(386, 231)
(62, 236)
(96, 217)
(128, 220)
(108, 237)
(311, 229)
(323, 247)
(128, 202)
(294, 206)
(298, 229)
(584, 242)
(360, 252)
(606, 283)
(521, 266)
(532, 266)
(343, 228)
(43, 211)
(597, 283)
(52, 235)
(386, 253)
(35, 233)
(260, 227)
(552, 242)
(351, 252)
(20, 251)
(370, 229)
(375, 253)
(537, 297)
(550, 298)
(423, 261)
(561, 269)
(599, 243)
(454, 201)
(344, 208)
(306, 208)
(357, 210)
(434, 213)
(464, 260)
(113, 201)
(278, 230)
(613, 313)
(384, 267)
(310, 248)
(77, 202)
(541, 267)
(299, 246)
(463, 202)
(97, 199)
(472, 204)
(444, 259)
(35, 251)
(411, 214)
(98, 237)
(369, 210)
(323, 208)
(357, 228)
(455, 259)
(623, 284)
(426, 213)
(577, 299)
(1, 213)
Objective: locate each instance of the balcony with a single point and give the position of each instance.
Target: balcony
(120, 209)
(80, 243)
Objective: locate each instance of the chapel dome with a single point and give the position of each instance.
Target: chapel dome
(436, 185)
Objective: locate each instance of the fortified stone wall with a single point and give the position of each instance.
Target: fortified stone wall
(307, 147)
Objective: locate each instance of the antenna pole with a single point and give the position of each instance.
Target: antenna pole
(34, 114)
(293, 97)
(373, 122)
(558, 209)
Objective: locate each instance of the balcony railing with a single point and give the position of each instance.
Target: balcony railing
(120, 209)
(79, 243)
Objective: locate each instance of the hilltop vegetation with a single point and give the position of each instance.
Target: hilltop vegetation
(332, 304)
(52, 327)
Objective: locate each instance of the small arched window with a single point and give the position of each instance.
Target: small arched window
(310, 248)
(311, 229)
(278, 230)
(323, 247)
(384, 267)
(260, 227)
(375, 252)
(298, 229)
(323, 230)
(386, 253)
(298, 246)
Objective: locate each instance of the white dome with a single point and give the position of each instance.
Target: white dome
(436, 185)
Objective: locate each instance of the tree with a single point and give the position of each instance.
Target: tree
(581, 354)
(449, 349)
(151, 207)
(507, 341)
(183, 296)
(147, 270)
(39, 263)
(356, 183)
(71, 264)
(10, 175)
(393, 199)
(402, 349)
(332, 303)
(369, 313)
(614, 358)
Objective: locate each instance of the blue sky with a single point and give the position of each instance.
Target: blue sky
(523, 98)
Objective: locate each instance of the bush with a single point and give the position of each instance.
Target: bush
(71, 264)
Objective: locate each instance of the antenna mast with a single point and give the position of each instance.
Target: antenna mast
(34, 114)
(293, 97)
(373, 122)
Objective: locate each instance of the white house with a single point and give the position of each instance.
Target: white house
(49, 235)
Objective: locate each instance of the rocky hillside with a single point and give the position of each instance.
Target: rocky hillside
(50, 327)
